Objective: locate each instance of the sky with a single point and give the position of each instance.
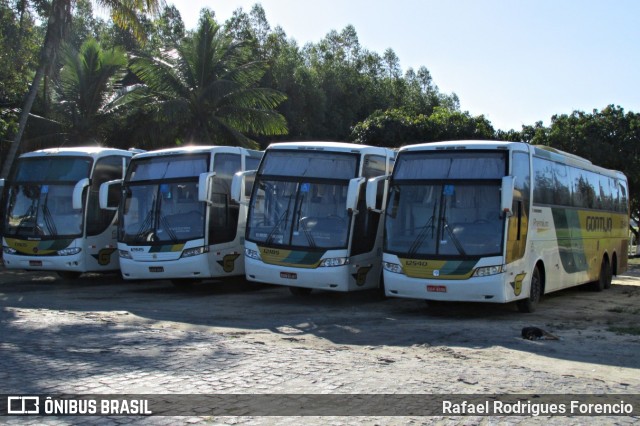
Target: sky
(516, 62)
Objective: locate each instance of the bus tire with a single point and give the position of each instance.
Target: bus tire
(604, 278)
(69, 275)
(530, 304)
(300, 291)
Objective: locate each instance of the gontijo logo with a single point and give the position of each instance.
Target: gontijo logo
(599, 223)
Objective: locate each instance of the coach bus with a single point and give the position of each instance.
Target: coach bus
(308, 226)
(177, 220)
(500, 222)
(52, 219)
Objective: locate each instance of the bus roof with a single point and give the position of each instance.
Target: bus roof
(330, 146)
(196, 149)
(465, 144)
(537, 150)
(91, 151)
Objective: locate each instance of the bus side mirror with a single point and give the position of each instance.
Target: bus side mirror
(204, 186)
(110, 194)
(76, 198)
(353, 194)
(372, 193)
(238, 190)
(1, 185)
(506, 195)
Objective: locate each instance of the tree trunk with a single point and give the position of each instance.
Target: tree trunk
(24, 115)
(59, 19)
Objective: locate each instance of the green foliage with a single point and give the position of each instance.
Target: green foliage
(87, 82)
(19, 41)
(395, 128)
(206, 91)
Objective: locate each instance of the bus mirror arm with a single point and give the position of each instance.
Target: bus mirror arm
(353, 194)
(238, 186)
(506, 195)
(372, 193)
(76, 198)
(105, 202)
(204, 187)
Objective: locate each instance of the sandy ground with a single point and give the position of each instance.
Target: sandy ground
(323, 343)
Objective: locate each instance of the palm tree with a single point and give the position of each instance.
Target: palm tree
(88, 80)
(124, 13)
(206, 90)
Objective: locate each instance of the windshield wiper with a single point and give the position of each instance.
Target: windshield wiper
(147, 223)
(429, 226)
(167, 227)
(281, 219)
(48, 217)
(456, 241)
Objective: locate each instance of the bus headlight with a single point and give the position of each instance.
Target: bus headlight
(488, 270)
(252, 254)
(69, 251)
(9, 250)
(195, 251)
(393, 267)
(334, 261)
(124, 254)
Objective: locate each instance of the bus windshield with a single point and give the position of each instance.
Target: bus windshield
(39, 199)
(300, 199)
(161, 200)
(446, 203)
(455, 220)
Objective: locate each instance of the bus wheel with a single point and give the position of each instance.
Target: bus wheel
(604, 279)
(530, 304)
(300, 291)
(69, 275)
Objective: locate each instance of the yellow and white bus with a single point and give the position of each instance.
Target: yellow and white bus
(308, 226)
(52, 220)
(483, 221)
(176, 218)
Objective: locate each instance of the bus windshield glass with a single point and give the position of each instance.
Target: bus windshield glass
(161, 200)
(446, 203)
(39, 198)
(300, 200)
(457, 220)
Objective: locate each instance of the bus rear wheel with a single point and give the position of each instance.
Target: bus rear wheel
(530, 304)
(605, 277)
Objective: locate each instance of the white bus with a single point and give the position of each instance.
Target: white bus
(500, 222)
(177, 220)
(307, 225)
(52, 220)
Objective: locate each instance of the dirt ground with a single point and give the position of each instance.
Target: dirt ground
(365, 344)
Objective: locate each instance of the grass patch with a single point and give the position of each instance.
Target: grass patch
(621, 310)
(634, 330)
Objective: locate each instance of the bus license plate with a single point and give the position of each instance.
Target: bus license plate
(437, 288)
(156, 269)
(289, 275)
(35, 263)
